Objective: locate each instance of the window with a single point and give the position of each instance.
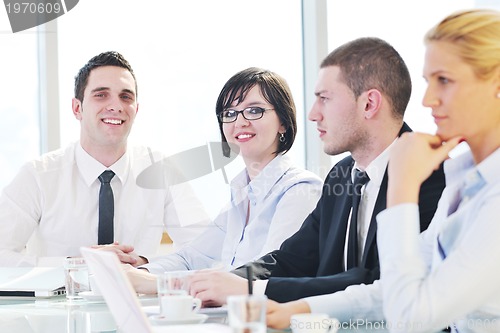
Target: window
(401, 23)
(182, 53)
(19, 128)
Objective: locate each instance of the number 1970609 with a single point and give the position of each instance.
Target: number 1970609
(33, 8)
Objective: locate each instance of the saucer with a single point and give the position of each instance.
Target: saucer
(195, 318)
(151, 310)
(90, 296)
(215, 311)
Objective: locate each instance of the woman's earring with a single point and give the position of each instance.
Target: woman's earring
(282, 137)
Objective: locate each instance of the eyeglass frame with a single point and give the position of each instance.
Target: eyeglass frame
(242, 112)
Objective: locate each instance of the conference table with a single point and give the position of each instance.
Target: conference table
(57, 315)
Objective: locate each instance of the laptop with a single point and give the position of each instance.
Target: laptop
(31, 282)
(123, 302)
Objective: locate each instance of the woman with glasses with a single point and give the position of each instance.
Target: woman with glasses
(270, 198)
(448, 275)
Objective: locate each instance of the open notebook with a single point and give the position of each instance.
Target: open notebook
(122, 300)
(31, 282)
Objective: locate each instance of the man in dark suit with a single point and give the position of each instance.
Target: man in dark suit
(362, 92)
(311, 262)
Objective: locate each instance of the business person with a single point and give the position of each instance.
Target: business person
(449, 274)
(51, 207)
(361, 95)
(269, 199)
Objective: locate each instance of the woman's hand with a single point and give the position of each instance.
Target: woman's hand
(279, 314)
(214, 286)
(412, 160)
(142, 281)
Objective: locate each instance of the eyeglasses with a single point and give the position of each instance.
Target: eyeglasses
(251, 113)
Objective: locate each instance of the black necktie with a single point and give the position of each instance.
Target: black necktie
(106, 209)
(360, 179)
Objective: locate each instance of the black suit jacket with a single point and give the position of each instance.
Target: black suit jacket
(311, 262)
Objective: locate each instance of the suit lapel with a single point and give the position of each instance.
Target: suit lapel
(333, 234)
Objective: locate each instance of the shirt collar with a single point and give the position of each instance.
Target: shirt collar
(260, 186)
(457, 168)
(90, 168)
(488, 168)
(376, 169)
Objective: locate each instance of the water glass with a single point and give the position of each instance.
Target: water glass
(76, 277)
(173, 295)
(247, 313)
(173, 283)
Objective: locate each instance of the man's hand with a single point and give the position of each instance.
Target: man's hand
(142, 281)
(125, 253)
(213, 287)
(279, 314)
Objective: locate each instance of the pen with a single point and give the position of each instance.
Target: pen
(250, 279)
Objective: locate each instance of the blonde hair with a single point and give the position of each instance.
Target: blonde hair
(476, 36)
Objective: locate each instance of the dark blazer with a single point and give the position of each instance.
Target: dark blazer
(311, 262)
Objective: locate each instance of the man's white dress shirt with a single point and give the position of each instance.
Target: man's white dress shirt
(50, 209)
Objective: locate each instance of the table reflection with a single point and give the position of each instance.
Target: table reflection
(61, 316)
(43, 316)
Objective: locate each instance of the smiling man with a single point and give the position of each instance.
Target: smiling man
(55, 204)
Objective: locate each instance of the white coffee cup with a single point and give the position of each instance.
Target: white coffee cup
(313, 323)
(179, 306)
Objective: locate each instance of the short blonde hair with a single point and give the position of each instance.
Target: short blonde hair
(476, 36)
